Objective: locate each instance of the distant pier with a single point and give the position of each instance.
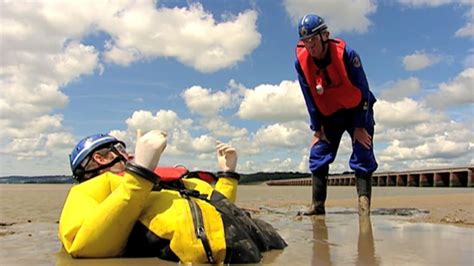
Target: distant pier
(446, 177)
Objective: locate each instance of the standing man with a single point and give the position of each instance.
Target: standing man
(338, 99)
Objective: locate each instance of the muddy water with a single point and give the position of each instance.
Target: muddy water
(28, 232)
(342, 238)
(339, 238)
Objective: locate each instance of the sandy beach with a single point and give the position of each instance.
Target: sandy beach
(30, 213)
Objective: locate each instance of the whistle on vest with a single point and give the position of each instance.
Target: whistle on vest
(366, 106)
(319, 89)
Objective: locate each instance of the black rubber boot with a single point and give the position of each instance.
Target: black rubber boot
(364, 191)
(319, 193)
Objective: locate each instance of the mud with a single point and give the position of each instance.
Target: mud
(338, 238)
(29, 215)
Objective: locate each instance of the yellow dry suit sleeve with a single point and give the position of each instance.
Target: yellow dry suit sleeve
(228, 187)
(99, 214)
(225, 185)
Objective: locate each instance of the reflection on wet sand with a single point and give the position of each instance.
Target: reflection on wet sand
(29, 214)
(365, 243)
(322, 247)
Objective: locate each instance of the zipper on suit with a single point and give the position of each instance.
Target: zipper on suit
(199, 229)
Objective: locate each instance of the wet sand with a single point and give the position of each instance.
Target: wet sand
(444, 205)
(422, 226)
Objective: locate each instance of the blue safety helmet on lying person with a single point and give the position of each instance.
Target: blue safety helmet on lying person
(81, 154)
(310, 25)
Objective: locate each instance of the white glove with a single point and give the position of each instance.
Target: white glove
(149, 148)
(226, 157)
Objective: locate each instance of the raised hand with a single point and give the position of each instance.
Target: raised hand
(226, 157)
(149, 148)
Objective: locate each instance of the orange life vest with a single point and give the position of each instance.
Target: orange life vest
(338, 92)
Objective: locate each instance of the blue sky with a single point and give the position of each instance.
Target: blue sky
(224, 70)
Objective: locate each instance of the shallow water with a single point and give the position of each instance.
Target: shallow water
(386, 238)
(29, 215)
(339, 238)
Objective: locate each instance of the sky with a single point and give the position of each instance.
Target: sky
(224, 70)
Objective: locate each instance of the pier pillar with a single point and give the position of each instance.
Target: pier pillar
(401, 180)
(353, 181)
(439, 180)
(426, 180)
(381, 181)
(391, 180)
(413, 180)
(374, 181)
(455, 179)
(470, 178)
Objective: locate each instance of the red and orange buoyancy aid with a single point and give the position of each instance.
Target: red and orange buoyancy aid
(335, 91)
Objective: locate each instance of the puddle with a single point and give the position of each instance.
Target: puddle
(386, 238)
(339, 238)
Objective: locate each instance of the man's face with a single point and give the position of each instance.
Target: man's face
(113, 153)
(117, 167)
(314, 45)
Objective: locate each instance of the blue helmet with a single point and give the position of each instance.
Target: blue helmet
(85, 147)
(310, 25)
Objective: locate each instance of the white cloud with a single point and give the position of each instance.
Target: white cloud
(465, 31)
(39, 146)
(396, 91)
(141, 31)
(42, 53)
(400, 113)
(204, 102)
(438, 147)
(436, 142)
(355, 14)
(120, 56)
(246, 146)
(283, 102)
(76, 60)
(414, 135)
(32, 87)
(458, 91)
(420, 60)
(180, 140)
(165, 120)
(303, 166)
(469, 60)
(204, 143)
(60, 140)
(26, 148)
(269, 165)
(138, 30)
(279, 165)
(40, 130)
(287, 135)
(220, 127)
(430, 3)
(248, 166)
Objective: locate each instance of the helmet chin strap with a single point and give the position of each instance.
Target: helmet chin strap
(323, 44)
(117, 159)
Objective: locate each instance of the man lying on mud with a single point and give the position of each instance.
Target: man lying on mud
(121, 208)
